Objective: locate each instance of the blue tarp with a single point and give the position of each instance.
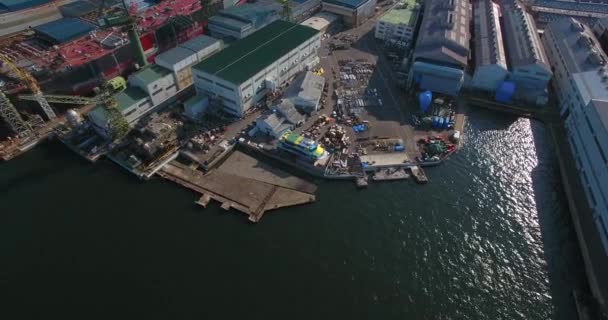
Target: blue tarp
(359, 128)
(425, 98)
(399, 148)
(505, 91)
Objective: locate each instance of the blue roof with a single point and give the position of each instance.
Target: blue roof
(64, 30)
(353, 4)
(77, 8)
(15, 5)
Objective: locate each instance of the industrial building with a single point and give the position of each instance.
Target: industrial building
(16, 5)
(490, 60)
(321, 21)
(63, 30)
(241, 75)
(305, 92)
(441, 56)
(240, 21)
(528, 65)
(283, 118)
(133, 103)
(581, 86)
(397, 25)
(353, 12)
(181, 58)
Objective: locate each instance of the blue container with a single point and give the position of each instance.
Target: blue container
(435, 122)
(399, 148)
(440, 123)
(446, 122)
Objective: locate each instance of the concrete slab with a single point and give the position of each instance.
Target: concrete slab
(244, 165)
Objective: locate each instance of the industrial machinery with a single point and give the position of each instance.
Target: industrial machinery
(11, 116)
(119, 127)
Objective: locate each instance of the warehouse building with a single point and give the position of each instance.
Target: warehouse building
(283, 118)
(397, 25)
(242, 74)
(63, 30)
(157, 82)
(490, 60)
(442, 50)
(181, 58)
(16, 5)
(581, 86)
(305, 92)
(528, 65)
(133, 103)
(149, 89)
(353, 12)
(238, 22)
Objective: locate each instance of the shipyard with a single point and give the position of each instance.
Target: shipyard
(249, 103)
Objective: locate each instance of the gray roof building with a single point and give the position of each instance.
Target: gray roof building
(489, 47)
(522, 41)
(444, 33)
(306, 91)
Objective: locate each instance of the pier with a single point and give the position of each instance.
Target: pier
(243, 183)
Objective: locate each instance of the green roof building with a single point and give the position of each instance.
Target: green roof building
(398, 23)
(242, 74)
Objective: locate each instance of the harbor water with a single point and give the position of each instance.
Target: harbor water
(489, 237)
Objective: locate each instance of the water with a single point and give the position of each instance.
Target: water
(488, 238)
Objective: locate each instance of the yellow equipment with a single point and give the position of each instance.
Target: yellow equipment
(31, 83)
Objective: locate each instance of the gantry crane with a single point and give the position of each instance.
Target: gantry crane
(119, 127)
(11, 116)
(31, 83)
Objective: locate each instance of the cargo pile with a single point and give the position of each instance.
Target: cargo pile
(434, 148)
(336, 139)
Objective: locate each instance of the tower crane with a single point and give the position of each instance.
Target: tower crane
(30, 82)
(119, 127)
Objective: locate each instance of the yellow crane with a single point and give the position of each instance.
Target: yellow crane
(119, 127)
(31, 83)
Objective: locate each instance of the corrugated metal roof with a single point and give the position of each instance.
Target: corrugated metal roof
(444, 33)
(124, 99)
(77, 8)
(248, 56)
(64, 30)
(175, 55)
(151, 73)
(353, 4)
(199, 43)
(521, 37)
(489, 47)
(15, 5)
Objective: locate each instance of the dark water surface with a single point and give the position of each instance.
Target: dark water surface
(488, 238)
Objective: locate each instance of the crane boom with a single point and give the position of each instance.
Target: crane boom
(31, 83)
(59, 98)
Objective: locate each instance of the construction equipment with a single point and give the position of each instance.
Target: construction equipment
(123, 18)
(286, 13)
(30, 82)
(119, 127)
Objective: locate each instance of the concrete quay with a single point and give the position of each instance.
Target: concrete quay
(244, 184)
